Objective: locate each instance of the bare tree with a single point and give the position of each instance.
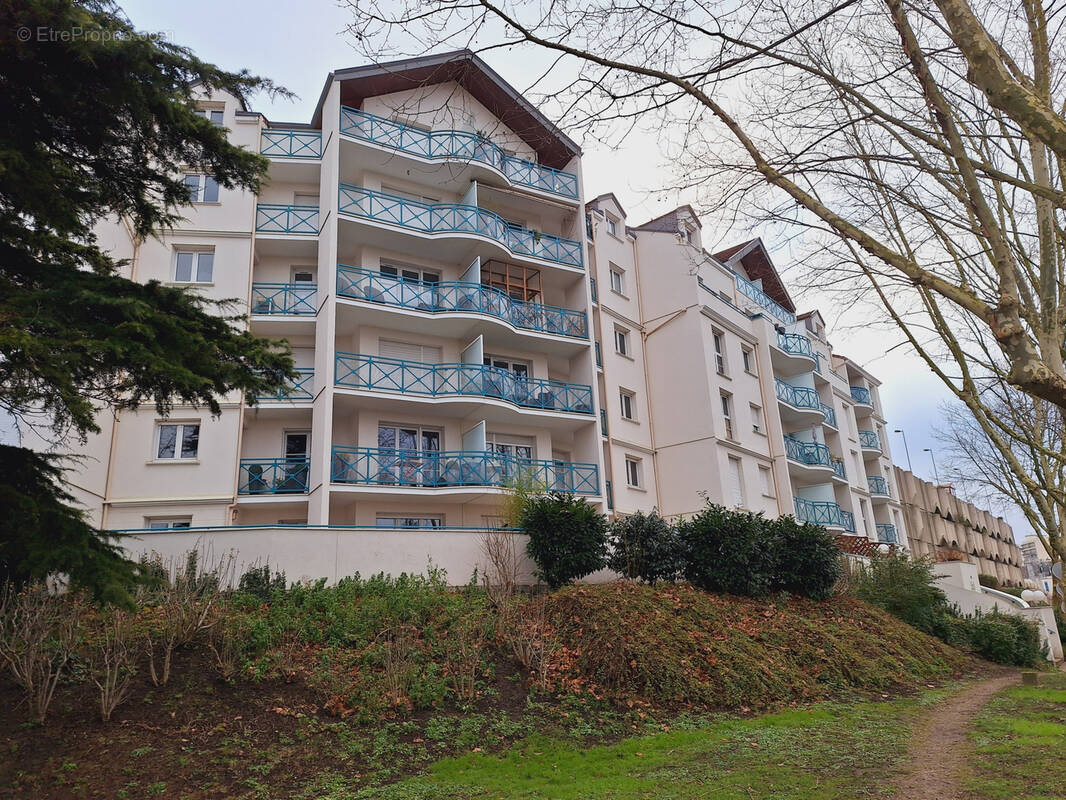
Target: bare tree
(112, 661)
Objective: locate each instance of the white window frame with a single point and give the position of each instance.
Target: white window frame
(382, 521)
(758, 420)
(168, 523)
(721, 364)
(727, 413)
(618, 280)
(621, 342)
(215, 116)
(633, 472)
(627, 402)
(612, 224)
(179, 437)
(197, 254)
(747, 356)
(766, 474)
(198, 192)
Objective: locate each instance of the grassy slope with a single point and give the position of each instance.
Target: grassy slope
(628, 661)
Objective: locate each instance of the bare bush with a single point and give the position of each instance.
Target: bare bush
(500, 578)
(39, 632)
(463, 657)
(113, 661)
(399, 662)
(531, 637)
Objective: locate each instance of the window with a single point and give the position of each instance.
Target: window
(851, 421)
(177, 440)
(408, 438)
(633, 470)
(215, 115)
(202, 188)
(618, 280)
(305, 200)
(410, 522)
(303, 275)
(407, 351)
(865, 516)
(736, 482)
(194, 266)
(727, 414)
(628, 404)
(420, 198)
(621, 341)
(520, 447)
(612, 225)
(167, 523)
(719, 352)
(766, 479)
(756, 418)
(747, 355)
(686, 234)
(411, 274)
(519, 368)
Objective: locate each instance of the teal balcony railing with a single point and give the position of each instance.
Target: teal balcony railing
(595, 295)
(302, 388)
(797, 396)
(860, 394)
(839, 470)
(273, 476)
(825, 513)
(811, 453)
(357, 371)
(428, 468)
(275, 218)
(830, 415)
(603, 421)
(285, 143)
(878, 485)
(455, 145)
(457, 218)
(795, 344)
(886, 532)
(767, 303)
(868, 440)
(463, 296)
(284, 298)
(610, 496)
(599, 355)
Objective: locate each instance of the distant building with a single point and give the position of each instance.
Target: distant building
(944, 527)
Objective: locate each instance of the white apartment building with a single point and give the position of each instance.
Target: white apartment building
(424, 246)
(712, 386)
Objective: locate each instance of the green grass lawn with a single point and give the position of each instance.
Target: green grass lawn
(830, 751)
(1020, 741)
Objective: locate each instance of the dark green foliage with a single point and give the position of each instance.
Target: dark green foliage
(1005, 639)
(567, 537)
(807, 559)
(727, 551)
(907, 589)
(644, 547)
(256, 581)
(98, 126)
(991, 581)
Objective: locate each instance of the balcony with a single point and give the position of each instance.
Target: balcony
(824, 513)
(886, 532)
(459, 296)
(284, 298)
(878, 485)
(268, 476)
(830, 415)
(810, 453)
(839, 470)
(767, 303)
(445, 218)
(795, 344)
(860, 394)
(603, 421)
(302, 389)
(275, 218)
(800, 397)
(455, 146)
(356, 371)
(462, 468)
(868, 441)
(284, 143)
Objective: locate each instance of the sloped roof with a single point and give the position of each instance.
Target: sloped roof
(552, 146)
(753, 256)
(669, 222)
(608, 196)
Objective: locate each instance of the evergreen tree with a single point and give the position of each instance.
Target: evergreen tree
(98, 123)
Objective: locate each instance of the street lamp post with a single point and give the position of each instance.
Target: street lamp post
(905, 449)
(933, 460)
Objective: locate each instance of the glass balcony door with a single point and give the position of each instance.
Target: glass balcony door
(410, 455)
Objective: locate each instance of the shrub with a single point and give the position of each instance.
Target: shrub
(807, 559)
(1005, 639)
(567, 537)
(112, 660)
(907, 589)
(645, 547)
(727, 551)
(991, 581)
(257, 582)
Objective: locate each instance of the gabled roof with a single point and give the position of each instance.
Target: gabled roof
(753, 256)
(669, 222)
(552, 146)
(608, 196)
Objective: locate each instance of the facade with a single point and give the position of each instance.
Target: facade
(461, 321)
(945, 528)
(711, 386)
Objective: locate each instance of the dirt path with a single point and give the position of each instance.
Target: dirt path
(940, 748)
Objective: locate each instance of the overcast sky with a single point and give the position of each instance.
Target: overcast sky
(298, 44)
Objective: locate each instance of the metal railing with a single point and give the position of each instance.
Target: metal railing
(810, 453)
(839, 469)
(603, 421)
(465, 296)
(797, 396)
(767, 303)
(830, 415)
(860, 394)
(458, 145)
(284, 298)
(276, 218)
(796, 344)
(878, 485)
(377, 466)
(302, 389)
(457, 218)
(595, 295)
(869, 440)
(826, 513)
(886, 532)
(273, 476)
(286, 143)
(358, 371)
(610, 496)
(599, 355)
